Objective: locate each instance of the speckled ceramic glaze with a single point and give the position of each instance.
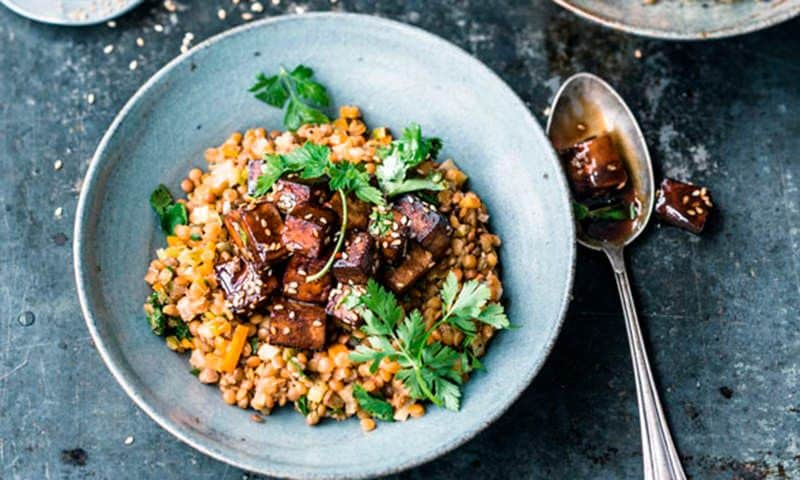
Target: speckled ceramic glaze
(396, 74)
(685, 19)
(73, 13)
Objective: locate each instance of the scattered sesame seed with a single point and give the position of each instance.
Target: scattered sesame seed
(581, 127)
(276, 2)
(133, 65)
(299, 9)
(129, 440)
(286, 330)
(111, 24)
(140, 42)
(170, 5)
(257, 7)
(158, 27)
(637, 53)
(58, 212)
(247, 16)
(108, 49)
(90, 98)
(58, 165)
(221, 14)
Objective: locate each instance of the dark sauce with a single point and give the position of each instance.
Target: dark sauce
(601, 182)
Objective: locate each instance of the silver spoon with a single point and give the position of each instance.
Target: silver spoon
(584, 106)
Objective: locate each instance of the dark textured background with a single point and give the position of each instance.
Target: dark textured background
(720, 311)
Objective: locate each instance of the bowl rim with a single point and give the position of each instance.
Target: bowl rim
(64, 21)
(665, 34)
(83, 273)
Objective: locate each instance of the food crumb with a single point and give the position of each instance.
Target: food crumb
(57, 165)
(257, 7)
(108, 49)
(276, 2)
(140, 42)
(111, 24)
(221, 14)
(170, 6)
(129, 440)
(247, 16)
(637, 53)
(299, 9)
(90, 98)
(158, 27)
(133, 64)
(257, 418)
(58, 212)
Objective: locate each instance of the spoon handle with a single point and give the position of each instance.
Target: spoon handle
(661, 460)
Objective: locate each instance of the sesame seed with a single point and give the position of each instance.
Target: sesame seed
(247, 16)
(685, 199)
(690, 212)
(696, 193)
(292, 315)
(276, 2)
(170, 5)
(58, 164)
(637, 53)
(581, 127)
(140, 42)
(90, 98)
(286, 330)
(58, 212)
(699, 210)
(278, 307)
(129, 440)
(257, 7)
(111, 24)
(316, 323)
(133, 65)
(221, 14)
(108, 49)
(158, 27)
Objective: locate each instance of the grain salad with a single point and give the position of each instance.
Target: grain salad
(342, 270)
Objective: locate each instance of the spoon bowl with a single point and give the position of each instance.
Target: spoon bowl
(586, 105)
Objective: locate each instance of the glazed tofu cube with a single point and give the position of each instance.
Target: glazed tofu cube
(296, 325)
(246, 288)
(358, 261)
(256, 231)
(391, 236)
(417, 263)
(594, 166)
(683, 204)
(287, 194)
(342, 305)
(358, 211)
(308, 230)
(425, 224)
(295, 285)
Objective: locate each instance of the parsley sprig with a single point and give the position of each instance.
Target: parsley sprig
(313, 161)
(429, 370)
(170, 213)
(305, 97)
(403, 154)
(378, 408)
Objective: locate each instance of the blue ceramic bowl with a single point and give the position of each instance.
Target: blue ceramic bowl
(396, 74)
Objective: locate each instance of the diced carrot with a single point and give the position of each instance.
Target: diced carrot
(213, 362)
(174, 241)
(234, 350)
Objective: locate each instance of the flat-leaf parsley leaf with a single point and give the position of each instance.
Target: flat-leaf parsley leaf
(305, 97)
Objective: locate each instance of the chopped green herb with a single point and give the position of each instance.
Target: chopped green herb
(302, 405)
(615, 212)
(378, 408)
(428, 370)
(156, 319)
(381, 220)
(403, 154)
(305, 97)
(170, 213)
(254, 345)
(196, 237)
(182, 331)
(195, 371)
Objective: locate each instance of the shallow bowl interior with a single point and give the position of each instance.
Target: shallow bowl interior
(685, 19)
(396, 74)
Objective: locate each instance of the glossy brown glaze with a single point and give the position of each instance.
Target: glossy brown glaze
(683, 204)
